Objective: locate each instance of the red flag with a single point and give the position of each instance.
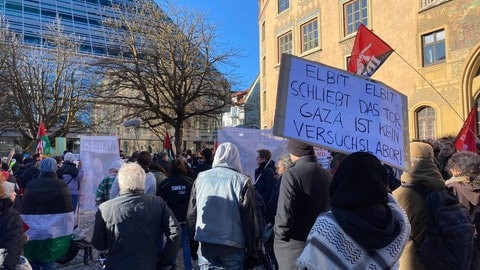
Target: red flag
(215, 146)
(167, 146)
(368, 53)
(467, 137)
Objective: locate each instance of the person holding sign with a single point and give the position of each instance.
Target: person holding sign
(303, 195)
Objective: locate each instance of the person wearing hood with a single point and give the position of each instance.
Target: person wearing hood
(365, 228)
(221, 214)
(11, 228)
(423, 172)
(302, 196)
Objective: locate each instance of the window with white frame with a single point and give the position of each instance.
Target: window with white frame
(309, 32)
(433, 48)
(354, 13)
(425, 123)
(283, 5)
(285, 44)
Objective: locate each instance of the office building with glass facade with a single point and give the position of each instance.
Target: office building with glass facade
(83, 18)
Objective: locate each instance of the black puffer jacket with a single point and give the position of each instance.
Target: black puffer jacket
(265, 179)
(11, 234)
(46, 195)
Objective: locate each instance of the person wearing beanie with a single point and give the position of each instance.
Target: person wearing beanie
(103, 191)
(47, 211)
(367, 220)
(423, 172)
(11, 229)
(72, 174)
(303, 195)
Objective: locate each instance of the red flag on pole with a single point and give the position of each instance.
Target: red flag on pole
(467, 137)
(368, 53)
(167, 146)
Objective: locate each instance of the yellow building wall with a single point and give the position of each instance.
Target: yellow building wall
(400, 24)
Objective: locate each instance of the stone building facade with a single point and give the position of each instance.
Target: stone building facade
(435, 63)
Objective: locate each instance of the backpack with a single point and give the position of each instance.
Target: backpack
(449, 230)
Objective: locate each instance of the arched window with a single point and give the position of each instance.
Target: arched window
(426, 123)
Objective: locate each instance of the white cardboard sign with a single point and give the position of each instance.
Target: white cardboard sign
(340, 111)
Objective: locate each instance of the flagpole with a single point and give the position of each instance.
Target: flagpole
(431, 85)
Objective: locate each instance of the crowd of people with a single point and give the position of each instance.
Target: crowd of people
(291, 214)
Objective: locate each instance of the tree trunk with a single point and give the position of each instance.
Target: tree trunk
(178, 138)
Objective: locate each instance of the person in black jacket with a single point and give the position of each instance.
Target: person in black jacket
(133, 226)
(302, 197)
(175, 190)
(265, 174)
(11, 229)
(72, 175)
(47, 210)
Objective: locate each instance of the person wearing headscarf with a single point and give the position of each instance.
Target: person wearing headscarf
(303, 195)
(47, 211)
(365, 228)
(221, 214)
(11, 228)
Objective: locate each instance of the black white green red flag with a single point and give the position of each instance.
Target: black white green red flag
(43, 146)
(167, 146)
(369, 52)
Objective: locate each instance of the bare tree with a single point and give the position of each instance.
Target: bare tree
(166, 69)
(49, 82)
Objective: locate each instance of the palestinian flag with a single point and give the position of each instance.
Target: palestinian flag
(43, 146)
(167, 146)
(49, 235)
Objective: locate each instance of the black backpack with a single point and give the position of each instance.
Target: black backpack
(449, 230)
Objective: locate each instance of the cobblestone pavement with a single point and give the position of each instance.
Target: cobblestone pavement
(86, 221)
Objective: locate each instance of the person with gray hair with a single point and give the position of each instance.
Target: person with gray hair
(464, 167)
(133, 226)
(465, 184)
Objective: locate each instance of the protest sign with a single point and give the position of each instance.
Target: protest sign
(340, 111)
(97, 154)
(248, 141)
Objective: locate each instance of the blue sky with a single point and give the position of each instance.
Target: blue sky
(237, 21)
